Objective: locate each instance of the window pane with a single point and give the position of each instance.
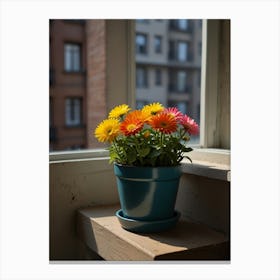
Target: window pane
(182, 51)
(181, 81)
(72, 111)
(141, 44)
(71, 57)
(183, 24)
(157, 43)
(141, 77)
(158, 77)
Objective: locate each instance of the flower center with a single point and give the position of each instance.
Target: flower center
(131, 127)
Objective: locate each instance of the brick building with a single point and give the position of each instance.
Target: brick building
(77, 97)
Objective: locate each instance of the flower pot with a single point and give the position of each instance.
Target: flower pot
(147, 194)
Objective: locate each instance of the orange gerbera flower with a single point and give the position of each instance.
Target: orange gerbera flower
(164, 122)
(133, 123)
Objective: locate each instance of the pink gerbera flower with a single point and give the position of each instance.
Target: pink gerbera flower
(178, 115)
(189, 125)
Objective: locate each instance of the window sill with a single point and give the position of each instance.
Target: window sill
(211, 163)
(73, 72)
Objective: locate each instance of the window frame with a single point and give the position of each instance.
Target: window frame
(78, 120)
(144, 71)
(178, 52)
(209, 90)
(72, 63)
(158, 77)
(137, 48)
(158, 44)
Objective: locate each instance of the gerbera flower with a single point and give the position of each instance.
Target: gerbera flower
(164, 122)
(174, 112)
(132, 123)
(190, 125)
(107, 130)
(119, 111)
(153, 109)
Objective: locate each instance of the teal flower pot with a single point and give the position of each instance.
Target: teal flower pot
(147, 193)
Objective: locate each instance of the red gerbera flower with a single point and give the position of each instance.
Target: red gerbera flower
(132, 123)
(190, 125)
(164, 122)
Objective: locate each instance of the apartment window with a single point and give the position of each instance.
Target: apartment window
(141, 77)
(181, 81)
(182, 24)
(141, 44)
(158, 77)
(73, 111)
(172, 50)
(182, 51)
(72, 57)
(158, 44)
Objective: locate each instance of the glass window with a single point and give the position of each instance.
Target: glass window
(158, 77)
(72, 59)
(73, 111)
(172, 50)
(141, 77)
(157, 44)
(141, 43)
(182, 51)
(181, 81)
(182, 24)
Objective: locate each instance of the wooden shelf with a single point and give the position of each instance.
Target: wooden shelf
(99, 228)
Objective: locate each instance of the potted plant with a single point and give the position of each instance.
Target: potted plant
(146, 147)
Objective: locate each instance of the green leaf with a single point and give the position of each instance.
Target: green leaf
(144, 152)
(155, 153)
(188, 158)
(131, 156)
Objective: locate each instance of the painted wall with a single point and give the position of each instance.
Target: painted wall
(78, 184)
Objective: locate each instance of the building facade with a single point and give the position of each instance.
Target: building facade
(167, 56)
(67, 84)
(168, 64)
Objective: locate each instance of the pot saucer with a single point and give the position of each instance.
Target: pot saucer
(147, 226)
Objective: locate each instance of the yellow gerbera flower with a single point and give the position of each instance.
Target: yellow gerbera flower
(119, 111)
(153, 108)
(107, 130)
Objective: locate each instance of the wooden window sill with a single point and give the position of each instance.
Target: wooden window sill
(99, 229)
